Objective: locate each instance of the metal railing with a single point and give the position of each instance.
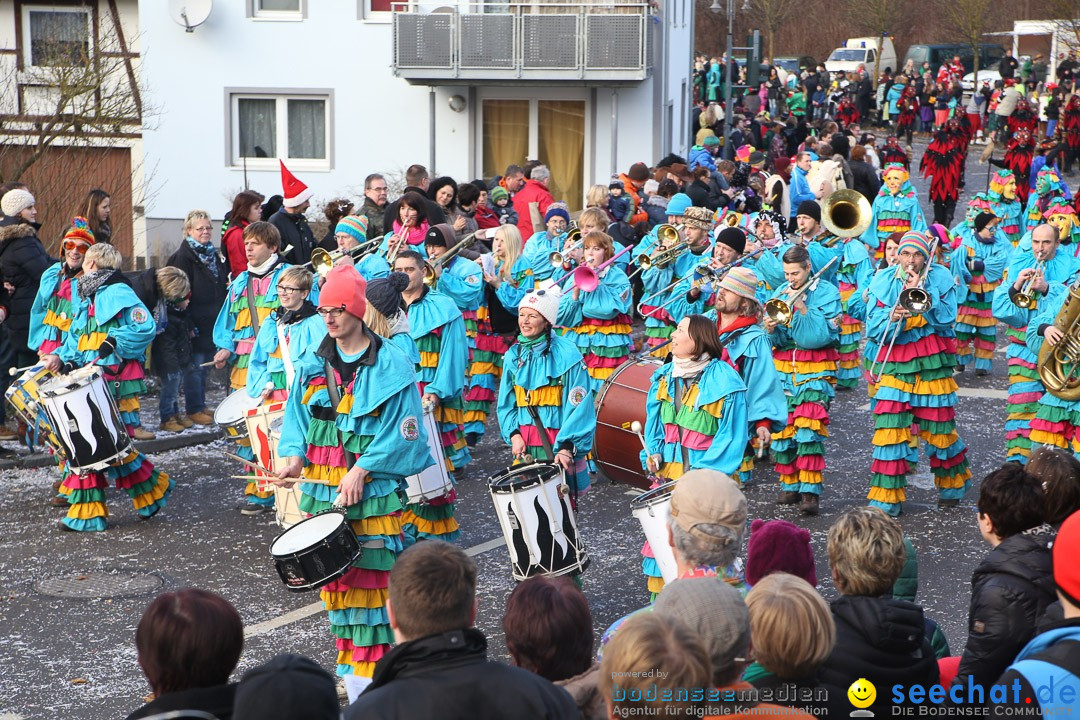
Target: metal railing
(544, 40)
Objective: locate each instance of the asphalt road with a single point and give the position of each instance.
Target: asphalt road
(74, 657)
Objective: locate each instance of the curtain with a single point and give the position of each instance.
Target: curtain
(562, 147)
(282, 5)
(258, 127)
(307, 129)
(506, 134)
(59, 39)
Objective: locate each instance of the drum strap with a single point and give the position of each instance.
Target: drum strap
(544, 439)
(251, 304)
(334, 392)
(286, 355)
(680, 388)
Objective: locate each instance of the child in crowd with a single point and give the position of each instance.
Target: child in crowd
(171, 350)
(620, 207)
(500, 202)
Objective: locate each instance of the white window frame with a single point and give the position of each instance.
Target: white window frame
(365, 13)
(232, 121)
(255, 12)
(27, 39)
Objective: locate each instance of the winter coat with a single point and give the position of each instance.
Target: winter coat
(232, 247)
(656, 207)
(1053, 653)
(294, 231)
(1010, 590)
(171, 350)
(586, 693)
(448, 676)
(864, 179)
(216, 700)
(374, 215)
(22, 261)
(533, 191)
(880, 639)
(700, 156)
(698, 192)
(207, 294)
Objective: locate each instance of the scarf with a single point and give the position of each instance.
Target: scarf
(205, 253)
(399, 323)
(288, 317)
(261, 270)
(416, 234)
(689, 367)
(90, 283)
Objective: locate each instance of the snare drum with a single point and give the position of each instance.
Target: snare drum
(621, 401)
(231, 414)
(23, 395)
(85, 421)
(286, 500)
(533, 505)
(433, 482)
(258, 422)
(652, 509)
(315, 552)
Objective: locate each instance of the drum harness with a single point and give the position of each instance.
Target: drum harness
(334, 392)
(251, 304)
(545, 441)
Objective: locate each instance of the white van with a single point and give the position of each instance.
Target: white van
(862, 51)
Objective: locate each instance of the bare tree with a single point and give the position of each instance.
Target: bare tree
(1066, 14)
(772, 15)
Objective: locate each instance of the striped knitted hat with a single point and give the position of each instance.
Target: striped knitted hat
(915, 240)
(355, 225)
(79, 231)
(741, 281)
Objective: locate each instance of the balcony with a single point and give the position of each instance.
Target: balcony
(549, 42)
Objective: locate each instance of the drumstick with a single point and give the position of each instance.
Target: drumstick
(264, 478)
(15, 371)
(208, 363)
(249, 463)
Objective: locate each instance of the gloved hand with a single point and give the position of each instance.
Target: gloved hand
(975, 265)
(107, 348)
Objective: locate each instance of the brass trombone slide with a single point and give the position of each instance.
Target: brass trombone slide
(915, 300)
(782, 312)
(322, 261)
(429, 266)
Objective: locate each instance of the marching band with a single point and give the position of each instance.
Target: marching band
(362, 380)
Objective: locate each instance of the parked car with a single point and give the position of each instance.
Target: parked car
(968, 81)
(791, 63)
(938, 54)
(862, 51)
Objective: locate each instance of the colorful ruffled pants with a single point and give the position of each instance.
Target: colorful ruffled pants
(847, 370)
(1056, 424)
(147, 486)
(1025, 391)
(649, 567)
(658, 327)
(435, 519)
(916, 398)
(485, 368)
(356, 602)
(808, 377)
(605, 345)
(238, 381)
(975, 323)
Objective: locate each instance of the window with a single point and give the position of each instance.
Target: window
(55, 36)
(279, 9)
(294, 127)
(379, 10)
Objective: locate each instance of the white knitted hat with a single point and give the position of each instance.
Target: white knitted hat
(544, 301)
(15, 201)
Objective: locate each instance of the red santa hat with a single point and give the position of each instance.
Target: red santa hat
(295, 192)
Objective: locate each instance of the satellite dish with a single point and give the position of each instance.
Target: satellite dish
(190, 13)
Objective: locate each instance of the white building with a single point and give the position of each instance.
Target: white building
(339, 89)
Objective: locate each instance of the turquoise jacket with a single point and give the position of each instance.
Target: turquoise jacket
(372, 266)
(225, 333)
(885, 288)
(818, 328)
(435, 323)
(462, 280)
(511, 296)
(891, 212)
(47, 287)
(612, 297)
(303, 337)
(117, 313)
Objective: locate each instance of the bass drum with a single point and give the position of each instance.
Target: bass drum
(619, 402)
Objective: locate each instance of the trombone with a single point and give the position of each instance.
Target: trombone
(430, 278)
(782, 312)
(704, 274)
(322, 262)
(845, 214)
(915, 300)
(1025, 298)
(663, 256)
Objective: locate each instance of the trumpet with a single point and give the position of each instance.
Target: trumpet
(915, 300)
(704, 274)
(430, 278)
(662, 258)
(1025, 298)
(782, 312)
(393, 247)
(573, 240)
(322, 262)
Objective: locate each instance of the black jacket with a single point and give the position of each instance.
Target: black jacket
(435, 214)
(207, 294)
(448, 676)
(1010, 590)
(171, 351)
(294, 231)
(864, 179)
(880, 639)
(703, 194)
(216, 700)
(22, 261)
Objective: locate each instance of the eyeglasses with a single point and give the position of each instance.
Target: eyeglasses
(334, 313)
(288, 289)
(77, 245)
(378, 189)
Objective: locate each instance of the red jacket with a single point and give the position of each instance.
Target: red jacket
(233, 246)
(639, 207)
(532, 192)
(486, 218)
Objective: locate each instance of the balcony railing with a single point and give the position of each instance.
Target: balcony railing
(518, 41)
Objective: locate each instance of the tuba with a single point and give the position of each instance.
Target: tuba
(1058, 364)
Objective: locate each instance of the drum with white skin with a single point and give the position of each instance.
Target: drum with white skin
(85, 420)
(286, 500)
(653, 509)
(433, 482)
(231, 414)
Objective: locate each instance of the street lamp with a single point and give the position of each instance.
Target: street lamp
(728, 59)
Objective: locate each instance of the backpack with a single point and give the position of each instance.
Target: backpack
(1058, 666)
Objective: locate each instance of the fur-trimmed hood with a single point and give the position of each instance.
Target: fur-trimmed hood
(18, 229)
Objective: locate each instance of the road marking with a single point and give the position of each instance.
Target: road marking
(983, 393)
(315, 608)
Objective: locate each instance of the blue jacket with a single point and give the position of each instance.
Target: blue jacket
(800, 189)
(443, 354)
(266, 364)
(701, 157)
(118, 314)
(462, 280)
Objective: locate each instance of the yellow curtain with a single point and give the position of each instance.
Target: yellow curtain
(561, 136)
(506, 134)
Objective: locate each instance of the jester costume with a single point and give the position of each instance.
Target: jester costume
(1003, 203)
(1023, 117)
(908, 105)
(855, 272)
(1025, 388)
(112, 329)
(659, 322)
(598, 323)
(436, 325)
(943, 163)
(1019, 153)
(893, 211)
(805, 356)
(981, 264)
(892, 153)
(235, 331)
(846, 113)
(377, 426)
(1070, 130)
(916, 394)
(54, 308)
(1057, 420)
(286, 332)
(1048, 187)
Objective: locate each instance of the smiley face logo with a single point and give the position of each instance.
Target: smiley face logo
(862, 693)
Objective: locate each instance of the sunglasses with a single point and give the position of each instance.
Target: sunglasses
(78, 245)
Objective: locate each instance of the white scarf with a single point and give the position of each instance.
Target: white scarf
(689, 367)
(261, 269)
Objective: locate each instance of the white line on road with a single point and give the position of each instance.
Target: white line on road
(314, 608)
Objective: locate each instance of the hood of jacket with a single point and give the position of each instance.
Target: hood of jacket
(888, 624)
(14, 228)
(1024, 556)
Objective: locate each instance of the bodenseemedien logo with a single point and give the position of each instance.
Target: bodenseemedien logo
(862, 695)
